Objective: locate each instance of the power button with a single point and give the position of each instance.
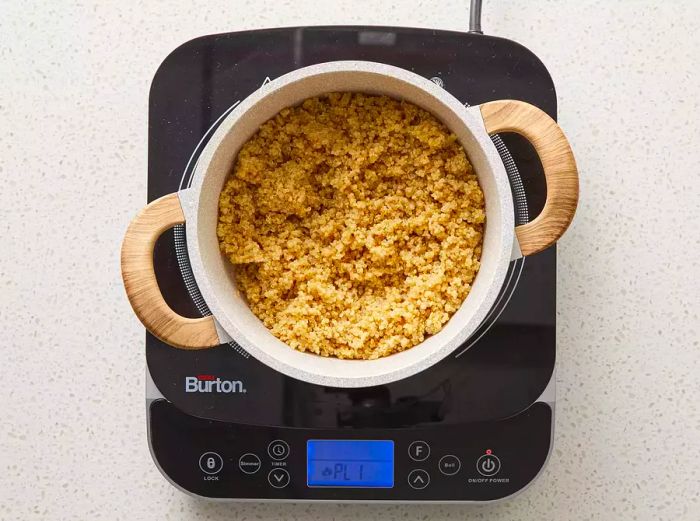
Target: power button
(488, 465)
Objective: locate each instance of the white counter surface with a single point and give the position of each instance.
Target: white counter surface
(73, 112)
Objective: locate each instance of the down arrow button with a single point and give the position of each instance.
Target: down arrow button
(278, 478)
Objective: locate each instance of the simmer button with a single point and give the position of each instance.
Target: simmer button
(249, 463)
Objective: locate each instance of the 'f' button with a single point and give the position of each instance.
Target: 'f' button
(419, 451)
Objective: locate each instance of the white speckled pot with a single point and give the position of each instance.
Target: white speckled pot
(233, 319)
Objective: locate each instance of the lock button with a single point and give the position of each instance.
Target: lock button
(211, 463)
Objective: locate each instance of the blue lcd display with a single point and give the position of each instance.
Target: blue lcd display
(350, 463)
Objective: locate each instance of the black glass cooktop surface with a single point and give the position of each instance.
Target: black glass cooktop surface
(497, 374)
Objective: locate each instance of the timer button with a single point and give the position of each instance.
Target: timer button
(278, 449)
(419, 451)
(488, 465)
(211, 463)
(418, 479)
(278, 478)
(449, 465)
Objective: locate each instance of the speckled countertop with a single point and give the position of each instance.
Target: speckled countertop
(73, 106)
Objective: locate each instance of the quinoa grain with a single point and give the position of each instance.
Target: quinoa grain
(354, 223)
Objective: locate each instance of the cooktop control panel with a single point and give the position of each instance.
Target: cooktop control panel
(472, 462)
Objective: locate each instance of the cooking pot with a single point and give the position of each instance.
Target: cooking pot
(231, 317)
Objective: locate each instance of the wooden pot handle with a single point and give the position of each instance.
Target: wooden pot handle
(558, 164)
(141, 285)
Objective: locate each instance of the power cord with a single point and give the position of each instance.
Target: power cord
(475, 17)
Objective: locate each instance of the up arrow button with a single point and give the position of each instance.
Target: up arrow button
(418, 479)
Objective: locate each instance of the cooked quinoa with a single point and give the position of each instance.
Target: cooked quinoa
(355, 225)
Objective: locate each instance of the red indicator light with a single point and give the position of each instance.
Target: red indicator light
(205, 377)
(488, 451)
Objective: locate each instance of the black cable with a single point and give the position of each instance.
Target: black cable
(475, 17)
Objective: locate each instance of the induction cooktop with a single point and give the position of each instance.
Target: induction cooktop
(475, 427)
